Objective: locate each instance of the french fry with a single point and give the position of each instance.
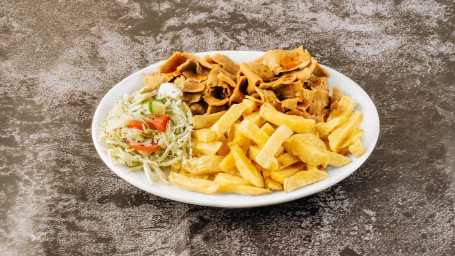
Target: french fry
(199, 185)
(242, 140)
(311, 139)
(251, 106)
(325, 128)
(249, 190)
(336, 159)
(352, 137)
(246, 168)
(310, 166)
(296, 123)
(228, 163)
(306, 152)
(224, 150)
(176, 167)
(206, 121)
(266, 173)
(205, 135)
(286, 160)
(280, 151)
(209, 148)
(357, 148)
(339, 134)
(345, 107)
(255, 118)
(313, 155)
(234, 172)
(266, 157)
(231, 131)
(280, 175)
(273, 185)
(204, 164)
(252, 131)
(304, 178)
(228, 181)
(253, 152)
(195, 176)
(268, 129)
(225, 122)
(257, 166)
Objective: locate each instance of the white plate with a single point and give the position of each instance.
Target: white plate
(364, 104)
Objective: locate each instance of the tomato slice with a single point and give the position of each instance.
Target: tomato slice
(148, 148)
(159, 122)
(136, 124)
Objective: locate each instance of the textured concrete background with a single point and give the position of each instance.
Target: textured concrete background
(58, 58)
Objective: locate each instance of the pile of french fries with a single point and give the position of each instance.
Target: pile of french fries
(254, 150)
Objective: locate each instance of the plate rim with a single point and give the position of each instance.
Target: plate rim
(201, 199)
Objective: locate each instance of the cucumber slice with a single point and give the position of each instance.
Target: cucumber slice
(155, 106)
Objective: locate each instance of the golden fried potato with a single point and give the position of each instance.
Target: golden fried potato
(280, 151)
(204, 164)
(224, 150)
(268, 129)
(266, 173)
(280, 175)
(251, 106)
(345, 107)
(228, 181)
(195, 176)
(206, 121)
(205, 135)
(242, 140)
(206, 148)
(225, 122)
(296, 123)
(286, 160)
(304, 178)
(234, 171)
(306, 152)
(228, 163)
(313, 155)
(252, 131)
(273, 185)
(352, 137)
(266, 157)
(339, 134)
(255, 118)
(357, 148)
(246, 168)
(253, 152)
(325, 128)
(311, 139)
(336, 159)
(249, 190)
(199, 185)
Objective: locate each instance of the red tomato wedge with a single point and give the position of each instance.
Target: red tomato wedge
(159, 122)
(148, 148)
(136, 124)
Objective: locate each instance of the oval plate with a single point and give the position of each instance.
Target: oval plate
(370, 125)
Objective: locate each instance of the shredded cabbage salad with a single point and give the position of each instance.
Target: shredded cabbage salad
(174, 144)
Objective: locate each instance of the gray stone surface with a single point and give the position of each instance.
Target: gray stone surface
(58, 58)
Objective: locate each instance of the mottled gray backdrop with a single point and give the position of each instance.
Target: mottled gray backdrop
(58, 58)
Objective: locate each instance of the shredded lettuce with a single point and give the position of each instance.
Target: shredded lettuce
(174, 144)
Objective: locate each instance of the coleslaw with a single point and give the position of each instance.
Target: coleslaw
(134, 138)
